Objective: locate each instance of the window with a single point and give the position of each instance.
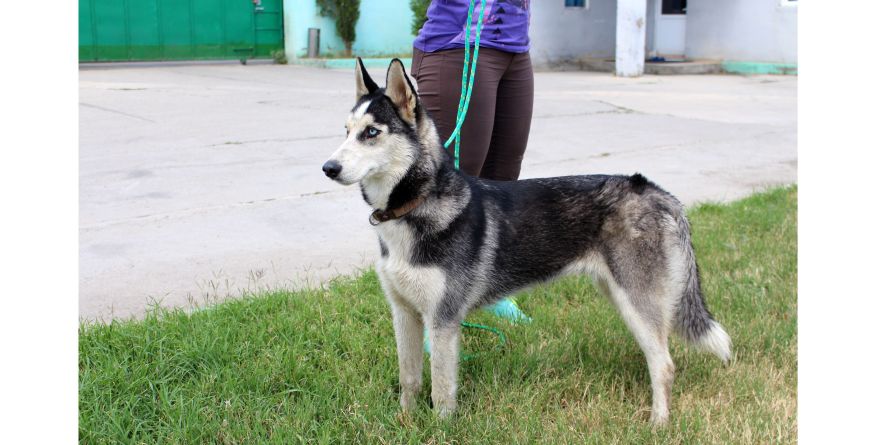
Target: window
(671, 7)
(575, 3)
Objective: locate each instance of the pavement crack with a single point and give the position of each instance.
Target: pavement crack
(194, 210)
(259, 141)
(616, 109)
(690, 143)
(248, 80)
(110, 110)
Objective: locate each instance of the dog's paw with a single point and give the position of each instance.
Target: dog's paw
(658, 419)
(407, 401)
(445, 410)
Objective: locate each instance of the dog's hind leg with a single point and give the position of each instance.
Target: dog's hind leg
(641, 314)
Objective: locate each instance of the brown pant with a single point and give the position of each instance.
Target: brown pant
(496, 128)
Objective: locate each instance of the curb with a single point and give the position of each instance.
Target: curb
(736, 67)
(337, 64)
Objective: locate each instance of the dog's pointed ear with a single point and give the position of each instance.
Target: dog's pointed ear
(399, 89)
(365, 84)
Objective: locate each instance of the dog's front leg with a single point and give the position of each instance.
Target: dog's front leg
(408, 331)
(444, 366)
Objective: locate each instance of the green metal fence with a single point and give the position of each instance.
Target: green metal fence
(119, 30)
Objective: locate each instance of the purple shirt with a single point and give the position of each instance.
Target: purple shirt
(505, 25)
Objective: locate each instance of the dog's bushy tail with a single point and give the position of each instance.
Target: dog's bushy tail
(693, 320)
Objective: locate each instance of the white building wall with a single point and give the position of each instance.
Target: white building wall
(558, 33)
(650, 26)
(745, 30)
(384, 28)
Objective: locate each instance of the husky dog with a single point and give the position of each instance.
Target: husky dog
(451, 243)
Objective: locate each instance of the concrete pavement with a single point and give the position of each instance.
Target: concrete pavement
(201, 181)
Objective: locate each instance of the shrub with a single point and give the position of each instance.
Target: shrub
(345, 13)
(420, 13)
(279, 56)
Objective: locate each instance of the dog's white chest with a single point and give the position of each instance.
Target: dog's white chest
(418, 286)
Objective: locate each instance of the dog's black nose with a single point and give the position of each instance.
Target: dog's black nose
(332, 168)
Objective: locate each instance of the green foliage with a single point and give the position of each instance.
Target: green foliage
(320, 365)
(345, 13)
(279, 57)
(420, 13)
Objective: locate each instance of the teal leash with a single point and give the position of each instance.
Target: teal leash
(502, 340)
(467, 84)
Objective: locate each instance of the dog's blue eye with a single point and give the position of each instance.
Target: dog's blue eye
(372, 132)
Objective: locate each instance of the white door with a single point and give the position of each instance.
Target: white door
(670, 27)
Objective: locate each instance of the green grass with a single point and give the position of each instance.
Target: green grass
(319, 366)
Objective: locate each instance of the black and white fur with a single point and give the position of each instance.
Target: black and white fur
(471, 241)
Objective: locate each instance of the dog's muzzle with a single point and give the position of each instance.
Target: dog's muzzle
(332, 169)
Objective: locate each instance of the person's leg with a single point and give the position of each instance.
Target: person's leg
(438, 77)
(513, 116)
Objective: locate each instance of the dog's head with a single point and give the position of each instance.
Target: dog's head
(382, 139)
